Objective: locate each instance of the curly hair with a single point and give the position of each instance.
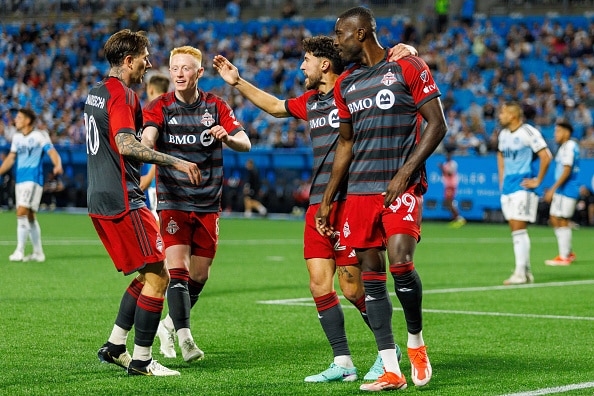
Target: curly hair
(124, 43)
(323, 47)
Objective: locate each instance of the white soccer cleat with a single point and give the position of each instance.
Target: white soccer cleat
(517, 279)
(39, 257)
(152, 369)
(167, 339)
(17, 256)
(190, 351)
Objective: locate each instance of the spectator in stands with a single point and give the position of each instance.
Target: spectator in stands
(467, 13)
(442, 11)
(27, 150)
(289, 10)
(194, 125)
(251, 190)
(519, 145)
(564, 192)
(233, 10)
(587, 143)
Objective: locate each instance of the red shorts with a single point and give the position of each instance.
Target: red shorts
(450, 193)
(332, 247)
(198, 230)
(132, 241)
(368, 224)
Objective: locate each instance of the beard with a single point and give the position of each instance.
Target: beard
(312, 82)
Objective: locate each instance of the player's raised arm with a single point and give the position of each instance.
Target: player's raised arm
(263, 100)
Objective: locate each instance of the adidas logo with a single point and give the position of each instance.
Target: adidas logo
(405, 290)
(173, 121)
(177, 285)
(408, 217)
(352, 88)
(369, 298)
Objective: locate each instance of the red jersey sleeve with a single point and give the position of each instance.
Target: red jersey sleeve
(297, 106)
(122, 112)
(418, 77)
(343, 111)
(227, 118)
(153, 113)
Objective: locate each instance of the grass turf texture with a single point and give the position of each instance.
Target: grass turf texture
(483, 338)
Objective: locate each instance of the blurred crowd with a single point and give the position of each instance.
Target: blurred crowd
(477, 64)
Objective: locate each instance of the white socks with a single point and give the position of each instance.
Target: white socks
(563, 235)
(521, 242)
(23, 232)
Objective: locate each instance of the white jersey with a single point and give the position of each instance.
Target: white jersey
(518, 149)
(29, 155)
(568, 155)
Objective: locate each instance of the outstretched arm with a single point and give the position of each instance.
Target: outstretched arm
(265, 101)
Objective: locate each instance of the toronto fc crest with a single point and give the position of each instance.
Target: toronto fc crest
(207, 119)
(388, 79)
(172, 227)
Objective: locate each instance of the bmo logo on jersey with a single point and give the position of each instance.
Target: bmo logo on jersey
(331, 120)
(205, 138)
(384, 100)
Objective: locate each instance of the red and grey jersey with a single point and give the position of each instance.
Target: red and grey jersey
(321, 114)
(382, 103)
(113, 180)
(184, 132)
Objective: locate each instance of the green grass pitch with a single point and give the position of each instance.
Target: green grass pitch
(257, 323)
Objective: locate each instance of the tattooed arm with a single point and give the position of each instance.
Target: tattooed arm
(130, 147)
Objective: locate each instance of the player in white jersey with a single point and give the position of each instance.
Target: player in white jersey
(27, 150)
(518, 142)
(564, 193)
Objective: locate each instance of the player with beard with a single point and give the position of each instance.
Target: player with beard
(116, 204)
(324, 255)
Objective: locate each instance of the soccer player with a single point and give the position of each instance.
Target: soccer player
(251, 190)
(116, 204)
(449, 175)
(157, 85)
(564, 193)
(27, 149)
(193, 125)
(517, 146)
(324, 255)
(381, 107)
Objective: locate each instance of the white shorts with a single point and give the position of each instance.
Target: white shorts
(562, 206)
(28, 194)
(520, 205)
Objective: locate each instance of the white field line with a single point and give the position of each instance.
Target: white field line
(307, 301)
(556, 389)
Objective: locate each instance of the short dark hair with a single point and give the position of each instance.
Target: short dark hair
(160, 82)
(323, 47)
(30, 114)
(564, 123)
(124, 43)
(363, 14)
